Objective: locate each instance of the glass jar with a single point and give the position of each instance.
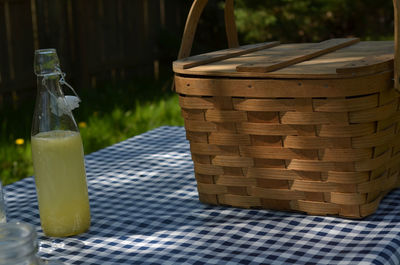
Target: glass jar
(18, 245)
(57, 154)
(3, 210)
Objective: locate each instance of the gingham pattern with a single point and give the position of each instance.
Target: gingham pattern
(145, 210)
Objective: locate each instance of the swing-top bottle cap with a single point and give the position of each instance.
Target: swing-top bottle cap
(46, 61)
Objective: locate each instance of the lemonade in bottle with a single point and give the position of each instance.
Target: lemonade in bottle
(57, 154)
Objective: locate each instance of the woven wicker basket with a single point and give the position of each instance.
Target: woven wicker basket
(309, 127)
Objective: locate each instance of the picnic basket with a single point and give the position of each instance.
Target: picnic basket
(309, 127)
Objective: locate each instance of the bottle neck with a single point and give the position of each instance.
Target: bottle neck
(49, 84)
(52, 112)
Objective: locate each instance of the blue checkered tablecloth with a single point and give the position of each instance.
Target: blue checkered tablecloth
(145, 210)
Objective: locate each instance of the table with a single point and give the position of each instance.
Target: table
(145, 210)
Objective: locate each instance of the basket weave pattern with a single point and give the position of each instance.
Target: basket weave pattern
(324, 147)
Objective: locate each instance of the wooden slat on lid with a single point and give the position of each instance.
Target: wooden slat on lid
(210, 57)
(321, 67)
(296, 56)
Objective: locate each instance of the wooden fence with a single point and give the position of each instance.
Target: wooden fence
(95, 39)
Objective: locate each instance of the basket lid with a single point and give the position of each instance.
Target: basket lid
(334, 58)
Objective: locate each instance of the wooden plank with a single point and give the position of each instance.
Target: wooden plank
(274, 63)
(370, 64)
(215, 56)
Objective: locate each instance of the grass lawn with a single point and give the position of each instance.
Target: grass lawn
(107, 115)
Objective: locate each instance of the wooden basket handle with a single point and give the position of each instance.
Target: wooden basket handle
(231, 32)
(193, 19)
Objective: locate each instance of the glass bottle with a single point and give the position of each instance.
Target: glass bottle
(18, 245)
(57, 154)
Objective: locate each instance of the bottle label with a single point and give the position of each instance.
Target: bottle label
(64, 105)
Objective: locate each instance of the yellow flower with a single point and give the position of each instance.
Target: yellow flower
(82, 124)
(19, 141)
